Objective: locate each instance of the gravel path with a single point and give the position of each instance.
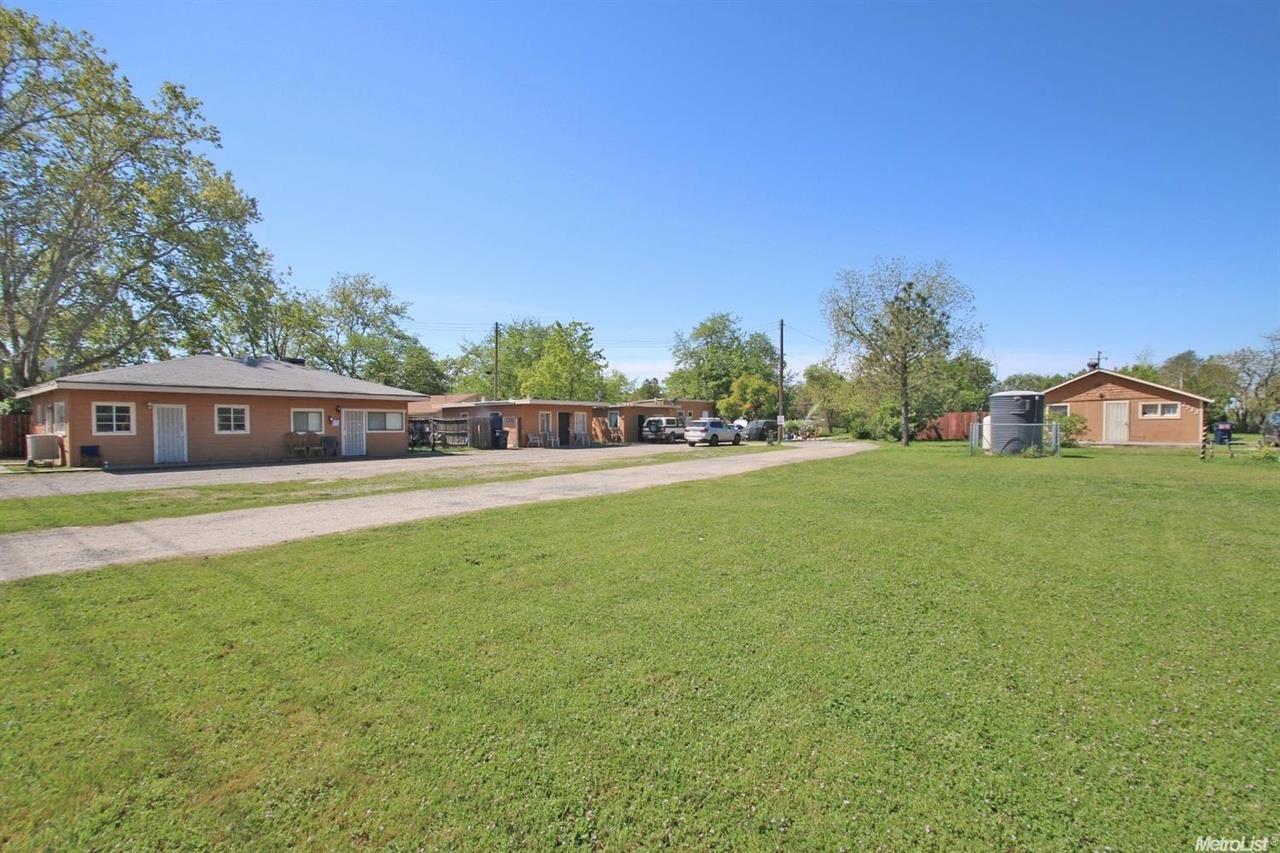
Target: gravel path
(137, 479)
(26, 485)
(70, 549)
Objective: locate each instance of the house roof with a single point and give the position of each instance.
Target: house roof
(432, 402)
(214, 374)
(1128, 378)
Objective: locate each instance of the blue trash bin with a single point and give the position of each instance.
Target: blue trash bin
(1222, 433)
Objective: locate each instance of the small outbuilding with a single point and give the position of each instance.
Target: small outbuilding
(1121, 409)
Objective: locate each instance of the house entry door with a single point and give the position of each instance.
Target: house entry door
(170, 424)
(353, 432)
(1115, 420)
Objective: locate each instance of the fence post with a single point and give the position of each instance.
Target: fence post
(1204, 443)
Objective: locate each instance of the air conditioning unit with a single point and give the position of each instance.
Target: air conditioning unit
(44, 448)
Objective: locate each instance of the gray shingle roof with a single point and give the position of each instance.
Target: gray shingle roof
(216, 373)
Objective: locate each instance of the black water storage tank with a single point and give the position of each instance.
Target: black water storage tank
(1017, 421)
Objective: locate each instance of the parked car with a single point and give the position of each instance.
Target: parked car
(712, 431)
(663, 429)
(1271, 429)
(762, 430)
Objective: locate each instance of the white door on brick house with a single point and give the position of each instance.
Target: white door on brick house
(353, 432)
(170, 424)
(1115, 420)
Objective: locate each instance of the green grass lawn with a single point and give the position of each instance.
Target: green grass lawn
(898, 648)
(21, 514)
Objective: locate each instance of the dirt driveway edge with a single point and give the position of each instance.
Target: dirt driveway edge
(72, 549)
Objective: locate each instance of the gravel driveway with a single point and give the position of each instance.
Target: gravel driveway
(69, 549)
(26, 485)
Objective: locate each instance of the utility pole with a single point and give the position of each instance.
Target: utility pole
(495, 361)
(781, 373)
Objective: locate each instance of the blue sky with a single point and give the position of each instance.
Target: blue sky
(1103, 175)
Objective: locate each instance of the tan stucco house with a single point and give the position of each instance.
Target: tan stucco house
(1120, 409)
(208, 409)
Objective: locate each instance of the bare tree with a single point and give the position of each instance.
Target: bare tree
(894, 322)
(1257, 380)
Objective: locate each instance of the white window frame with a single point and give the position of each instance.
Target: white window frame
(133, 417)
(219, 431)
(550, 423)
(615, 418)
(399, 412)
(60, 419)
(319, 412)
(1159, 415)
(1049, 408)
(585, 422)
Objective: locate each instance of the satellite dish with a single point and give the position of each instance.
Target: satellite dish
(50, 365)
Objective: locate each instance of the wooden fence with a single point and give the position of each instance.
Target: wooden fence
(953, 426)
(13, 435)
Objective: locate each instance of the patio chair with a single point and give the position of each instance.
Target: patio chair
(295, 444)
(315, 445)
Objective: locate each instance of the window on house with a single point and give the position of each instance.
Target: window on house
(579, 421)
(385, 422)
(1159, 410)
(231, 420)
(113, 418)
(544, 422)
(1063, 409)
(308, 420)
(59, 417)
(614, 418)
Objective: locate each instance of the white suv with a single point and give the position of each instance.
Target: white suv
(712, 431)
(663, 429)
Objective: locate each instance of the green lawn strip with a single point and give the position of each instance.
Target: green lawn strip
(91, 509)
(901, 648)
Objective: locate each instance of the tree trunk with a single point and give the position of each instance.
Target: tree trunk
(906, 411)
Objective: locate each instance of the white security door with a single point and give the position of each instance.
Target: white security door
(1115, 420)
(353, 432)
(171, 434)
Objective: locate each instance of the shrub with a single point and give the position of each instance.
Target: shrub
(1070, 427)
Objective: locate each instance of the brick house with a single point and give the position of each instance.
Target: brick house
(208, 409)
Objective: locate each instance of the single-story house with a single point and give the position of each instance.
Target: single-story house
(570, 423)
(1120, 409)
(206, 408)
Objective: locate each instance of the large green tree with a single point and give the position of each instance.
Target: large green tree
(896, 323)
(520, 345)
(716, 352)
(749, 396)
(570, 366)
(1030, 381)
(115, 232)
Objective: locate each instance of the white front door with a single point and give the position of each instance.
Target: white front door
(1115, 420)
(170, 423)
(353, 432)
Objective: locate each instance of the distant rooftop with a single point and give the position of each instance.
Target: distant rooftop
(214, 373)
